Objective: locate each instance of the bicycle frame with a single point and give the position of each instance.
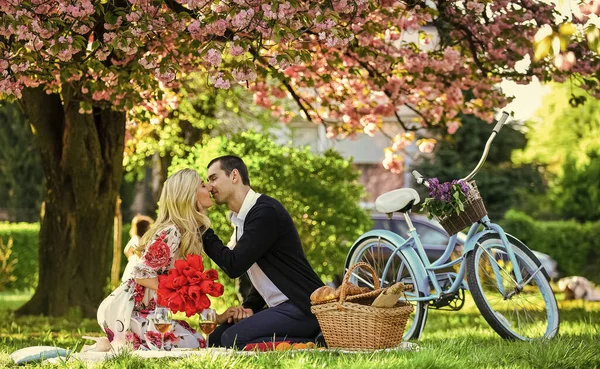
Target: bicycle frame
(414, 242)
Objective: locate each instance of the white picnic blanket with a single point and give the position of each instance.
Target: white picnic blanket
(91, 358)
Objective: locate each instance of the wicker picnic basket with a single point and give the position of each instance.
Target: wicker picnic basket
(352, 324)
(474, 211)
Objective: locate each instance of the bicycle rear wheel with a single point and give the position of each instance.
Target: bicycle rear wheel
(525, 312)
(377, 252)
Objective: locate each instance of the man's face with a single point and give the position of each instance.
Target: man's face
(221, 185)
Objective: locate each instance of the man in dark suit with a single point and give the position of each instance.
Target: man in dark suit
(266, 247)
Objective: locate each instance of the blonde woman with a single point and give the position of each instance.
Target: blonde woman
(126, 314)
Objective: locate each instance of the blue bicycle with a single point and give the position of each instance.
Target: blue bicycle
(508, 283)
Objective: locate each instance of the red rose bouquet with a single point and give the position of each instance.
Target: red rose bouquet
(185, 287)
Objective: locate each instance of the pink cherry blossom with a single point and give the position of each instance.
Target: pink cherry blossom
(213, 57)
(350, 64)
(393, 163)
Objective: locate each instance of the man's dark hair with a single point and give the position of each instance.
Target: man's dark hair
(231, 162)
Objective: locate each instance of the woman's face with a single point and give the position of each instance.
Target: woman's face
(203, 198)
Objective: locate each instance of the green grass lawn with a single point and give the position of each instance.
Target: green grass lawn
(451, 340)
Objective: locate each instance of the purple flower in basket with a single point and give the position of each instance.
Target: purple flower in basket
(443, 191)
(463, 186)
(445, 198)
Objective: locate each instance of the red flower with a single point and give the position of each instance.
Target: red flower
(158, 254)
(195, 278)
(188, 272)
(190, 307)
(211, 288)
(173, 272)
(165, 282)
(180, 281)
(206, 286)
(218, 290)
(195, 292)
(174, 301)
(180, 265)
(195, 261)
(184, 290)
(186, 286)
(211, 275)
(201, 301)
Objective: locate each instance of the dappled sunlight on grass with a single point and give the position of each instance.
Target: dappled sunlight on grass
(452, 339)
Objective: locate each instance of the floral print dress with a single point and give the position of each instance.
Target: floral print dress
(126, 314)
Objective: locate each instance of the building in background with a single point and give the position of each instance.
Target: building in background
(367, 153)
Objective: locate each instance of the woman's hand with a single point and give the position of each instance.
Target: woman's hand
(148, 282)
(234, 315)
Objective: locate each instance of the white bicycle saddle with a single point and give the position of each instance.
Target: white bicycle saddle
(397, 200)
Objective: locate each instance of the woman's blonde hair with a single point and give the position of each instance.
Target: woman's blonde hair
(178, 206)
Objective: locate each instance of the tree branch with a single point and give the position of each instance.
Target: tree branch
(284, 81)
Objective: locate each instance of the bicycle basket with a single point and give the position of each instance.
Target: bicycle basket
(358, 326)
(474, 211)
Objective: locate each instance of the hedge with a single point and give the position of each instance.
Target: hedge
(25, 249)
(575, 246)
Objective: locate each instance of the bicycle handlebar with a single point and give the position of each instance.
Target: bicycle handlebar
(421, 180)
(501, 122)
(488, 144)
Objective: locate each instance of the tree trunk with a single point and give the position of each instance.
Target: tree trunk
(82, 159)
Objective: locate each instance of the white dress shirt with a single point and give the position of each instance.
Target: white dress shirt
(269, 292)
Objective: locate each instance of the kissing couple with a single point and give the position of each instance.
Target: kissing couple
(264, 246)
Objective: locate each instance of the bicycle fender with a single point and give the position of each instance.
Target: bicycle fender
(408, 252)
(473, 241)
(470, 245)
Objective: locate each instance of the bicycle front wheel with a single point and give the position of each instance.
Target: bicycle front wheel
(378, 252)
(525, 311)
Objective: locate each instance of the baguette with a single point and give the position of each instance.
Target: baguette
(389, 297)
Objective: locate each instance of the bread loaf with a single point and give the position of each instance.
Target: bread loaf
(322, 294)
(351, 290)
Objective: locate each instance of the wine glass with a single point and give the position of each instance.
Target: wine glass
(208, 322)
(162, 323)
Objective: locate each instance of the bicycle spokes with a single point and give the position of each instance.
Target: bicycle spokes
(519, 307)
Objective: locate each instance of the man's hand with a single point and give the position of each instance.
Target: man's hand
(234, 315)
